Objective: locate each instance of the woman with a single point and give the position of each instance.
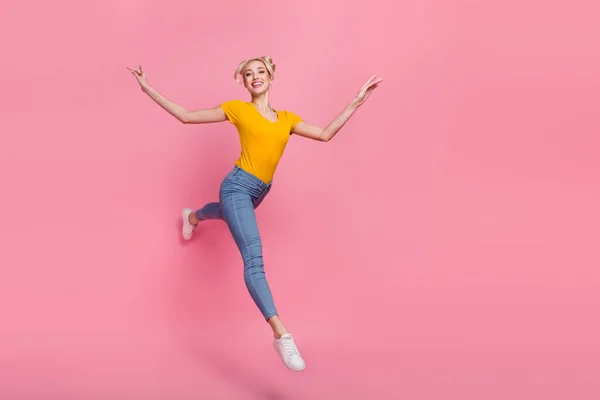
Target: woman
(264, 133)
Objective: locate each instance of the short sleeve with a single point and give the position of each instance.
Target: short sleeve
(232, 110)
(293, 119)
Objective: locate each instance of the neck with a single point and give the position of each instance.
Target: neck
(261, 102)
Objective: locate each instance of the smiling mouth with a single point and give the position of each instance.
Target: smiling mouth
(257, 84)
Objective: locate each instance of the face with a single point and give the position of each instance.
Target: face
(256, 77)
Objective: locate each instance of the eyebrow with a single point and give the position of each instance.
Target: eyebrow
(248, 69)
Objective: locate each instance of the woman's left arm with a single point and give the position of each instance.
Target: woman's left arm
(326, 134)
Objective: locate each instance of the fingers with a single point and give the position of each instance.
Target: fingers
(373, 80)
(367, 83)
(135, 71)
(371, 88)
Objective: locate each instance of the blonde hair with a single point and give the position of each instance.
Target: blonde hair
(268, 61)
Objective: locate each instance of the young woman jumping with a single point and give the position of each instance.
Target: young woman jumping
(264, 133)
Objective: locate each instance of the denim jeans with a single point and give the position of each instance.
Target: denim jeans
(240, 194)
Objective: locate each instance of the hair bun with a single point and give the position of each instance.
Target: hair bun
(269, 60)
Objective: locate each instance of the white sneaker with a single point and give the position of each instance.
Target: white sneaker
(188, 229)
(289, 353)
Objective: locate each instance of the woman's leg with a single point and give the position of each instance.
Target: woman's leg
(209, 211)
(245, 232)
(241, 219)
(238, 213)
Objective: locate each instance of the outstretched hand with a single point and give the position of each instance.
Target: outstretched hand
(140, 75)
(366, 90)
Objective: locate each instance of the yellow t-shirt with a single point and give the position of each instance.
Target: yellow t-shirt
(262, 141)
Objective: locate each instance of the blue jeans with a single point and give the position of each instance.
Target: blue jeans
(240, 194)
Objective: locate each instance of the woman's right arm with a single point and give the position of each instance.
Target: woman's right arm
(203, 116)
(208, 115)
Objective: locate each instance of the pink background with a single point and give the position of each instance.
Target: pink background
(443, 246)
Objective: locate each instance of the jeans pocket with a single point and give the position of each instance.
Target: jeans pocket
(262, 196)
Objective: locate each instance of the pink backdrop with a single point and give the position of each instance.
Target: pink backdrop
(443, 246)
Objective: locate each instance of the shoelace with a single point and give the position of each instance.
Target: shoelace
(290, 346)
